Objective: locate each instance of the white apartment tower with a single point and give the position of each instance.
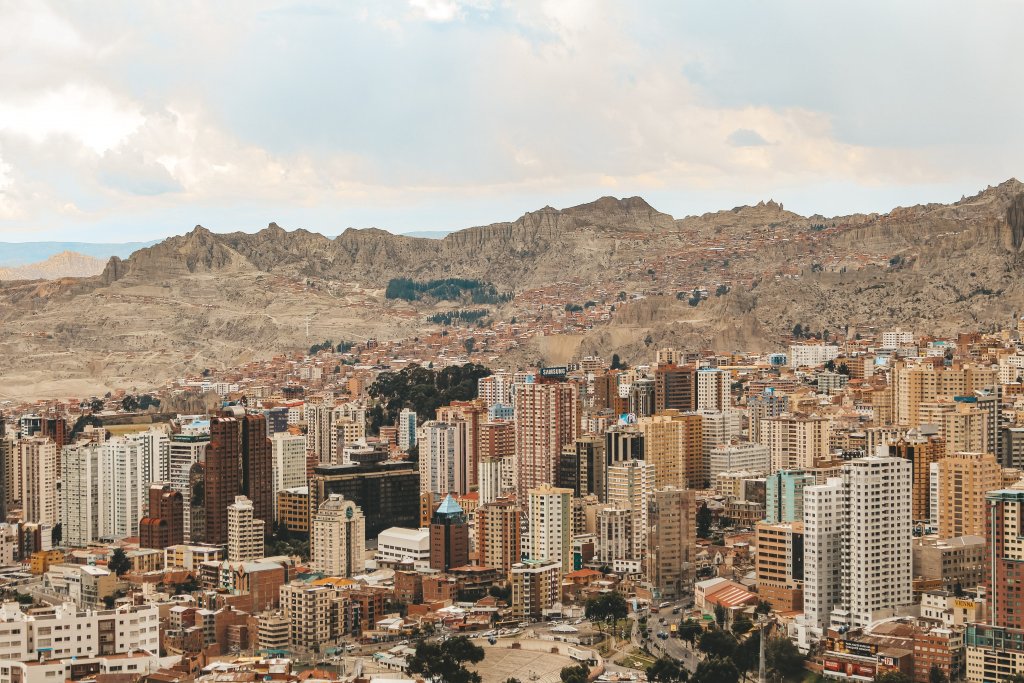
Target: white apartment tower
(38, 460)
(288, 462)
(406, 429)
(550, 526)
(245, 534)
(630, 484)
(82, 490)
(443, 466)
(338, 537)
(857, 544)
(714, 389)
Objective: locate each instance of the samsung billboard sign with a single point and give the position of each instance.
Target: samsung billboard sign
(554, 372)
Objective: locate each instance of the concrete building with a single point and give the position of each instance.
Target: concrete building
(549, 522)
(547, 420)
(186, 450)
(498, 539)
(337, 540)
(398, 544)
(796, 441)
(946, 562)
(39, 500)
(442, 460)
(288, 456)
(780, 565)
(916, 383)
(449, 536)
(675, 388)
(190, 557)
(921, 452)
(385, 492)
(672, 541)
(164, 525)
(630, 485)
(406, 429)
(245, 534)
(784, 495)
(536, 587)
(293, 509)
(714, 389)
(811, 355)
(83, 494)
(857, 543)
(674, 445)
(752, 457)
(963, 481)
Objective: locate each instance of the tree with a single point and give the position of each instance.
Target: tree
(119, 562)
(843, 369)
(717, 643)
(607, 608)
(690, 631)
(798, 331)
(783, 656)
(703, 521)
(667, 670)
(892, 677)
(445, 662)
(716, 670)
(747, 654)
(617, 363)
(742, 624)
(721, 616)
(937, 675)
(1016, 678)
(470, 344)
(763, 607)
(830, 365)
(574, 674)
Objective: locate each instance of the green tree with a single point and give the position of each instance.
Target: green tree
(1016, 678)
(763, 607)
(892, 677)
(617, 363)
(445, 662)
(667, 670)
(716, 670)
(574, 674)
(742, 624)
(937, 675)
(469, 344)
(717, 643)
(119, 562)
(783, 656)
(721, 616)
(703, 521)
(690, 631)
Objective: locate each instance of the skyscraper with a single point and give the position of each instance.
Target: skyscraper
(714, 389)
(672, 541)
(547, 419)
(857, 544)
(784, 495)
(675, 388)
(164, 525)
(39, 500)
(406, 429)
(442, 459)
(222, 475)
(674, 445)
(83, 493)
(257, 466)
(288, 457)
(245, 532)
(550, 525)
(498, 534)
(338, 537)
(449, 536)
(629, 488)
(963, 481)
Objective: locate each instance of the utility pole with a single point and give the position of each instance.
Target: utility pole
(761, 675)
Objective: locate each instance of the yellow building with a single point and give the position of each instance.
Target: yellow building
(674, 444)
(963, 480)
(41, 561)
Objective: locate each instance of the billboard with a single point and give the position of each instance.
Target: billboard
(557, 371)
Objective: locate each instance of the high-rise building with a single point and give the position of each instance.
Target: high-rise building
(629, 488)
(498, 534)
(675, 388)
(547, 419)
(7, 487)
(961, 426)
(857, 544)
(442, 460)
(385, 492)
(39, 501)
(288, 457)
(714, 389)
(623, 443)
(796, 441)
(491, 476)
(719, 428)
(186, 451)
(164, 525)
(449, 536)
(338, 537)
(917, 383)
(674, 445)
(784, 495)
(672, 541)
(498, 442)
(245, 532)
(123, 461)
(222, 478)
(468, 417)
(406, 429)
(734, 457)
(963, 481)
(780, 565)
(764, 405)
(549, 511)
(921, 452)
(257, 466)
(641, 397)
(536, 587)
(616, 531)
(581, 466)
(83, 494)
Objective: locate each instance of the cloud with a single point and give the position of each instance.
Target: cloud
(745, 137)
(390, 107)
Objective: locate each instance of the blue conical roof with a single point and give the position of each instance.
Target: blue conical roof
(449, 506)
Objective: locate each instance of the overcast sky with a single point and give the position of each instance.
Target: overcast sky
(128, 121)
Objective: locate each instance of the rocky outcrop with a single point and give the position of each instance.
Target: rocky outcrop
(64, 264)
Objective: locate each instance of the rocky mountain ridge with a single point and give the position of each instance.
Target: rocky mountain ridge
(64, 264)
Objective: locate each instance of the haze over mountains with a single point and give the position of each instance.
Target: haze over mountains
(204, 299)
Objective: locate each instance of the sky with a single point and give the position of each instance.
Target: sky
(134, 121)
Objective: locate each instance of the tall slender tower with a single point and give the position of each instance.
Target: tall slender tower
(547, 419)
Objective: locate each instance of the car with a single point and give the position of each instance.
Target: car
(675, 610)
(662, 635)
(662, 620)
(664, 604)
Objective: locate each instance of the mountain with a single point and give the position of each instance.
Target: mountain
(64, 264)
(23, 253)
(219, 300)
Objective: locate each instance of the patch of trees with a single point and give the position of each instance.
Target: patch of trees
(328, 345)
(131, 404)
(448, 317)
(606, 609)
(422, 389)
(285, 542)
(448, 289)
(573, 308)
(445, 662)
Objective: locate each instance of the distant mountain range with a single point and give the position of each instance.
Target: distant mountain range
(23, 253)
(64, 264)
(737, 279)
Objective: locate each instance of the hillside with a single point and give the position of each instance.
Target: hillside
(212, 300)
(64, 264)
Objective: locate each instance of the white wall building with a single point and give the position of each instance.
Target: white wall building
(245, 534)
(337, 537)
(811, 355)
(396, 544)
(752, 457)
(443, 466)
(288, 462)
(406, 429)
(550, 526)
